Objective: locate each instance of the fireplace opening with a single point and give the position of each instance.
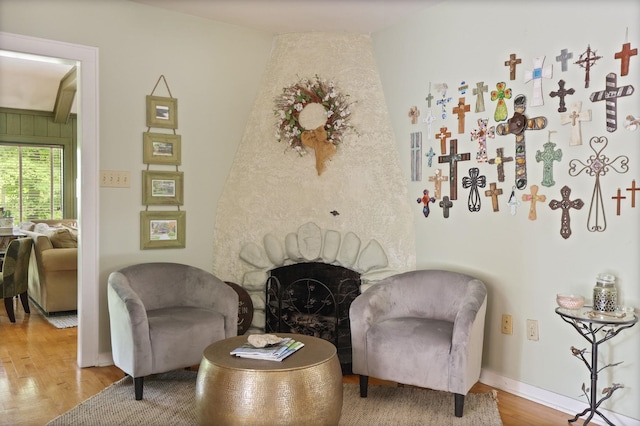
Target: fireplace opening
(313, 299)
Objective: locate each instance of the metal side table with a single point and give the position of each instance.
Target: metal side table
(589, 323)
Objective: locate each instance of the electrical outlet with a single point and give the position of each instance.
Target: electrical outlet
(532, 329)
(114, 179)
(507, 324)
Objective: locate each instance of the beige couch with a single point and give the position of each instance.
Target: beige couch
(53, 267)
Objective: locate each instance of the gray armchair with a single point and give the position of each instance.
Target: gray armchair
(422, 328)
(163, 316)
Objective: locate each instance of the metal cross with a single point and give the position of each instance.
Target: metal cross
(474, 181)
(534, 198)
(430, 156)
(446, 204)
(453, 159)
(561, 93)
(611, 93)
(425, 200)
(478, 92)
(548, 156)
(564, 56)
(575, 117)
(429, 96)
(565, 204)
(586, 61)
(598, 165)
(499, 162)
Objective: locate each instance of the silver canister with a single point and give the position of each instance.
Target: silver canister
(605, 294)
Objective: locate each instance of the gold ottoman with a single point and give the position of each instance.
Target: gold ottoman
(303, 389)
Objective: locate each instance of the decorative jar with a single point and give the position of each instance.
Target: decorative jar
(605, 294)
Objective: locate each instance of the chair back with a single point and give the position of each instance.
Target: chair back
(15, 267)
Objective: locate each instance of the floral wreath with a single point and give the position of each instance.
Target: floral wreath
(312, 101)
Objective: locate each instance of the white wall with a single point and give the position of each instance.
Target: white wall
(525, 263)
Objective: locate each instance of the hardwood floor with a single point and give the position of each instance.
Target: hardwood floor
(39, 377)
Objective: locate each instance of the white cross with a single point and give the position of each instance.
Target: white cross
(536, 75)
(574, 116)
(429, 119)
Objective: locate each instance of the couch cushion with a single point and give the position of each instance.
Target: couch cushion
(62, 237)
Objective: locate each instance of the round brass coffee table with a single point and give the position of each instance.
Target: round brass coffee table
(303, 389)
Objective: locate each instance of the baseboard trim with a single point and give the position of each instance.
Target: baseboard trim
(550, 399)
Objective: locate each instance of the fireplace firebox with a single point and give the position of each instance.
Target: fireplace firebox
(313, 299)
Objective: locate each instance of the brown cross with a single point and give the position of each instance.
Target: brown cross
(461, 110)
(443, 135)
(618, 197)
(438, 178)
(565, 204)
(493, 192)
(561, 93)
(534, 198)
(511, 63)
(446, 204)
(586, 61)
(453, 159)
(633, 190)
(611, 93)
(624, 55)
(499, 162)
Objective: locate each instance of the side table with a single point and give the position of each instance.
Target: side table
(588, 323)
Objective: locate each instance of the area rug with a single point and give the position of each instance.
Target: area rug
(169, 399)
(59, 319)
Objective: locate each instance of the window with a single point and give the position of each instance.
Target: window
(32, 181)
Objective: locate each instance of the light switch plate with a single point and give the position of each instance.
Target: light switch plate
(115, 179)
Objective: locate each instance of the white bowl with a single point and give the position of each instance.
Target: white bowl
(570, 301)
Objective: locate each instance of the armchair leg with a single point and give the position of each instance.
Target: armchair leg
(364, 383)
(459, 404)
(8, 306)
(24, 298)
(138, 383)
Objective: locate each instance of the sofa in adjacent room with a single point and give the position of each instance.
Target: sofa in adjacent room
(53, 267)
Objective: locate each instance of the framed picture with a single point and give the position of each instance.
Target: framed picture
(161, 148)
(162, 188)
(162, 112)
(162, 229)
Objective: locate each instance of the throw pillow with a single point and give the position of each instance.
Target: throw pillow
(62, 238)
(27, 226)
(41, 228)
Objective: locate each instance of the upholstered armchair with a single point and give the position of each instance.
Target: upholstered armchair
(163, 316)
(15, 275)
(423, 328)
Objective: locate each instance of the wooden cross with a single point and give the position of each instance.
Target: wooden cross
(452, 158)
(548, 156)
(536, 75)
(624, 55)
(437, 179)
(500, 94)
(575, 117)
(416, 156)
(561, 93)
(586, 61)
(598, 165)
(564, 56)
(611, 93)
(493, 192)
(518, 125)
(618, 197)
(633, 190)
(499, 162)
(534, 198)
(512, 62)
(443, 135)
(478, 92)
(480, 135)
(430, 156)
(413, 114)
(474, 181)
(461, 110)
(429, 96)
(446, 204)
(566, 204)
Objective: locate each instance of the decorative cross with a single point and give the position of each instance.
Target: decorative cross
(463, 88)
(443, 135)
(536, 75)
(437, 179)
(416, 156)
(574, 117)
(461, 110)
(512, 62)
(518, 125)
(413, 114)
(474, 181)
(446, 204)
(564, 56)
(480, 135)
(611, 93)
(425, 200)
(500, 94)
(453, 159)
(534, 198)
(478, 92)
(429, 96)
(493, 192)
(429, 119)
(587, 59)
(430, 156)
(618, 197)
(565, 204)
(633, 190)
(598, 165)
(561, 93)
(499, 162)
(548, 156)
(444, 100)
(624, 55)
(513, 202)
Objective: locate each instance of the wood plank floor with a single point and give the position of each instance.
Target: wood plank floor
(39, 377)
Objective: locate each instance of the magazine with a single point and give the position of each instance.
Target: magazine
(276, 352)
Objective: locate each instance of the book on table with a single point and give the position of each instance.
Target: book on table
(276, 352)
